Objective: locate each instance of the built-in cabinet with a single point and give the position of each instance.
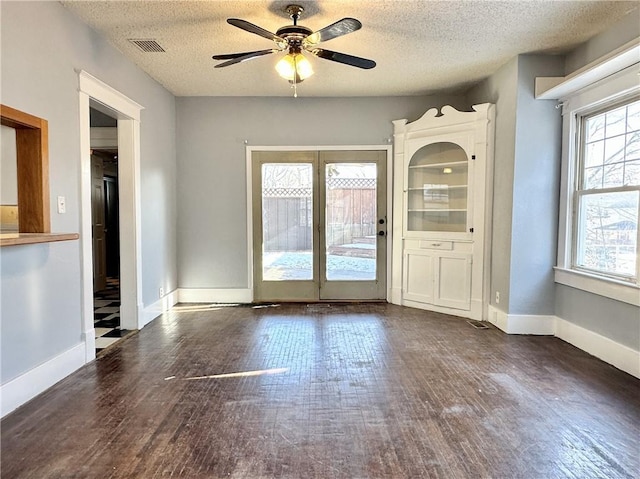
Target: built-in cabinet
(442, 172)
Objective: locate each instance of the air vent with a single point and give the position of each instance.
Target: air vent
(147, 45)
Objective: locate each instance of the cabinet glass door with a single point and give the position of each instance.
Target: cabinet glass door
(438, 188)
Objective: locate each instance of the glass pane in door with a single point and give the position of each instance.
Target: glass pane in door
(287, 219)
(350, 221)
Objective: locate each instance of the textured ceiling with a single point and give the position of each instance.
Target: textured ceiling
(419, 46)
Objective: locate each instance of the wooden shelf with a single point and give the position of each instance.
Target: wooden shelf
(13, 239)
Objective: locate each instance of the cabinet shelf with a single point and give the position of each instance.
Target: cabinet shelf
(435, 210)
(440, 165)
(440, 187)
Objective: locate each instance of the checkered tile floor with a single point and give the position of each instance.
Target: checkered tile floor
(106, 315)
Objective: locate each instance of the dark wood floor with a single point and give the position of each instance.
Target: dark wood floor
(348, 391)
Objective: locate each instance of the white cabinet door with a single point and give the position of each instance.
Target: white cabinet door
(453, 283)
(438, 278)
(418, 276)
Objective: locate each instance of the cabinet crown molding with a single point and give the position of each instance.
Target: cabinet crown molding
(442, 117)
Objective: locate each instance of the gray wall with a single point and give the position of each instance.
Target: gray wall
(212, 242)
(534, 234)
(42, 45)
(526, 192)
(613, 319)
(526, 185)
(501, 89)
(625, 30)
(610, 318)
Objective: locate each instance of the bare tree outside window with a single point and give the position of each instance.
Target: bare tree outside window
(608, 194)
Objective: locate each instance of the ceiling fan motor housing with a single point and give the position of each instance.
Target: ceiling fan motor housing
(294, 35)
(295, 38)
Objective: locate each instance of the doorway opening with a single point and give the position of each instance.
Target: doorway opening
(319, 225)
(100, 96)
(105, 228)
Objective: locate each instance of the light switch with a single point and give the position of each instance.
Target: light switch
(62, 205)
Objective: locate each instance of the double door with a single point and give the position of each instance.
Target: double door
(319, 223)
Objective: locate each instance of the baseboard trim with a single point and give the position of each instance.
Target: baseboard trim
(616, 354)
(543, 325)
(25, 387)
(163, 305)
(189, 295)
(609, 351)
(89, 339)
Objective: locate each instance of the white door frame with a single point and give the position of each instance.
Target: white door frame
(249, 165)
(128, 115)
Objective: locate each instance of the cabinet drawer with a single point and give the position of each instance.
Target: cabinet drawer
(435, 244)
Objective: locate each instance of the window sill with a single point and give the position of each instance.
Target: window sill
(12, 239)
(627, 293)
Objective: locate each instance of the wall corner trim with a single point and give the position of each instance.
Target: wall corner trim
(522, 323)
(25, 387)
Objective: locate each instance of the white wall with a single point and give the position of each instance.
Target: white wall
(212, 242)
(42, 47)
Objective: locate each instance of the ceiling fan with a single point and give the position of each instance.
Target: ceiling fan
(296, 39)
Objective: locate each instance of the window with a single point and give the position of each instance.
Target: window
(598, 240)
(607, 196)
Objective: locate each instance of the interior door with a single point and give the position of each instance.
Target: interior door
(112, 226)
(319, 223)
(98, 226)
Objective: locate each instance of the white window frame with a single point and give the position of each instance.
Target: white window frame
(612, 89)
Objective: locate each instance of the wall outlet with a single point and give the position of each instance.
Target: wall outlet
(161, 292)
(497, 297)
(62, 205)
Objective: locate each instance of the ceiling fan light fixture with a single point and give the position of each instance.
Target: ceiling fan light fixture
(293, 40)
(294, 67)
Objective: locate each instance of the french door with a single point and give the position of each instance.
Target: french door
(319, 225)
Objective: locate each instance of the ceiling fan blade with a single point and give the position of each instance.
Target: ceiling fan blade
(337, 29)
(243, 57)
(343, 58)
(251, 28)
(231, 56)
